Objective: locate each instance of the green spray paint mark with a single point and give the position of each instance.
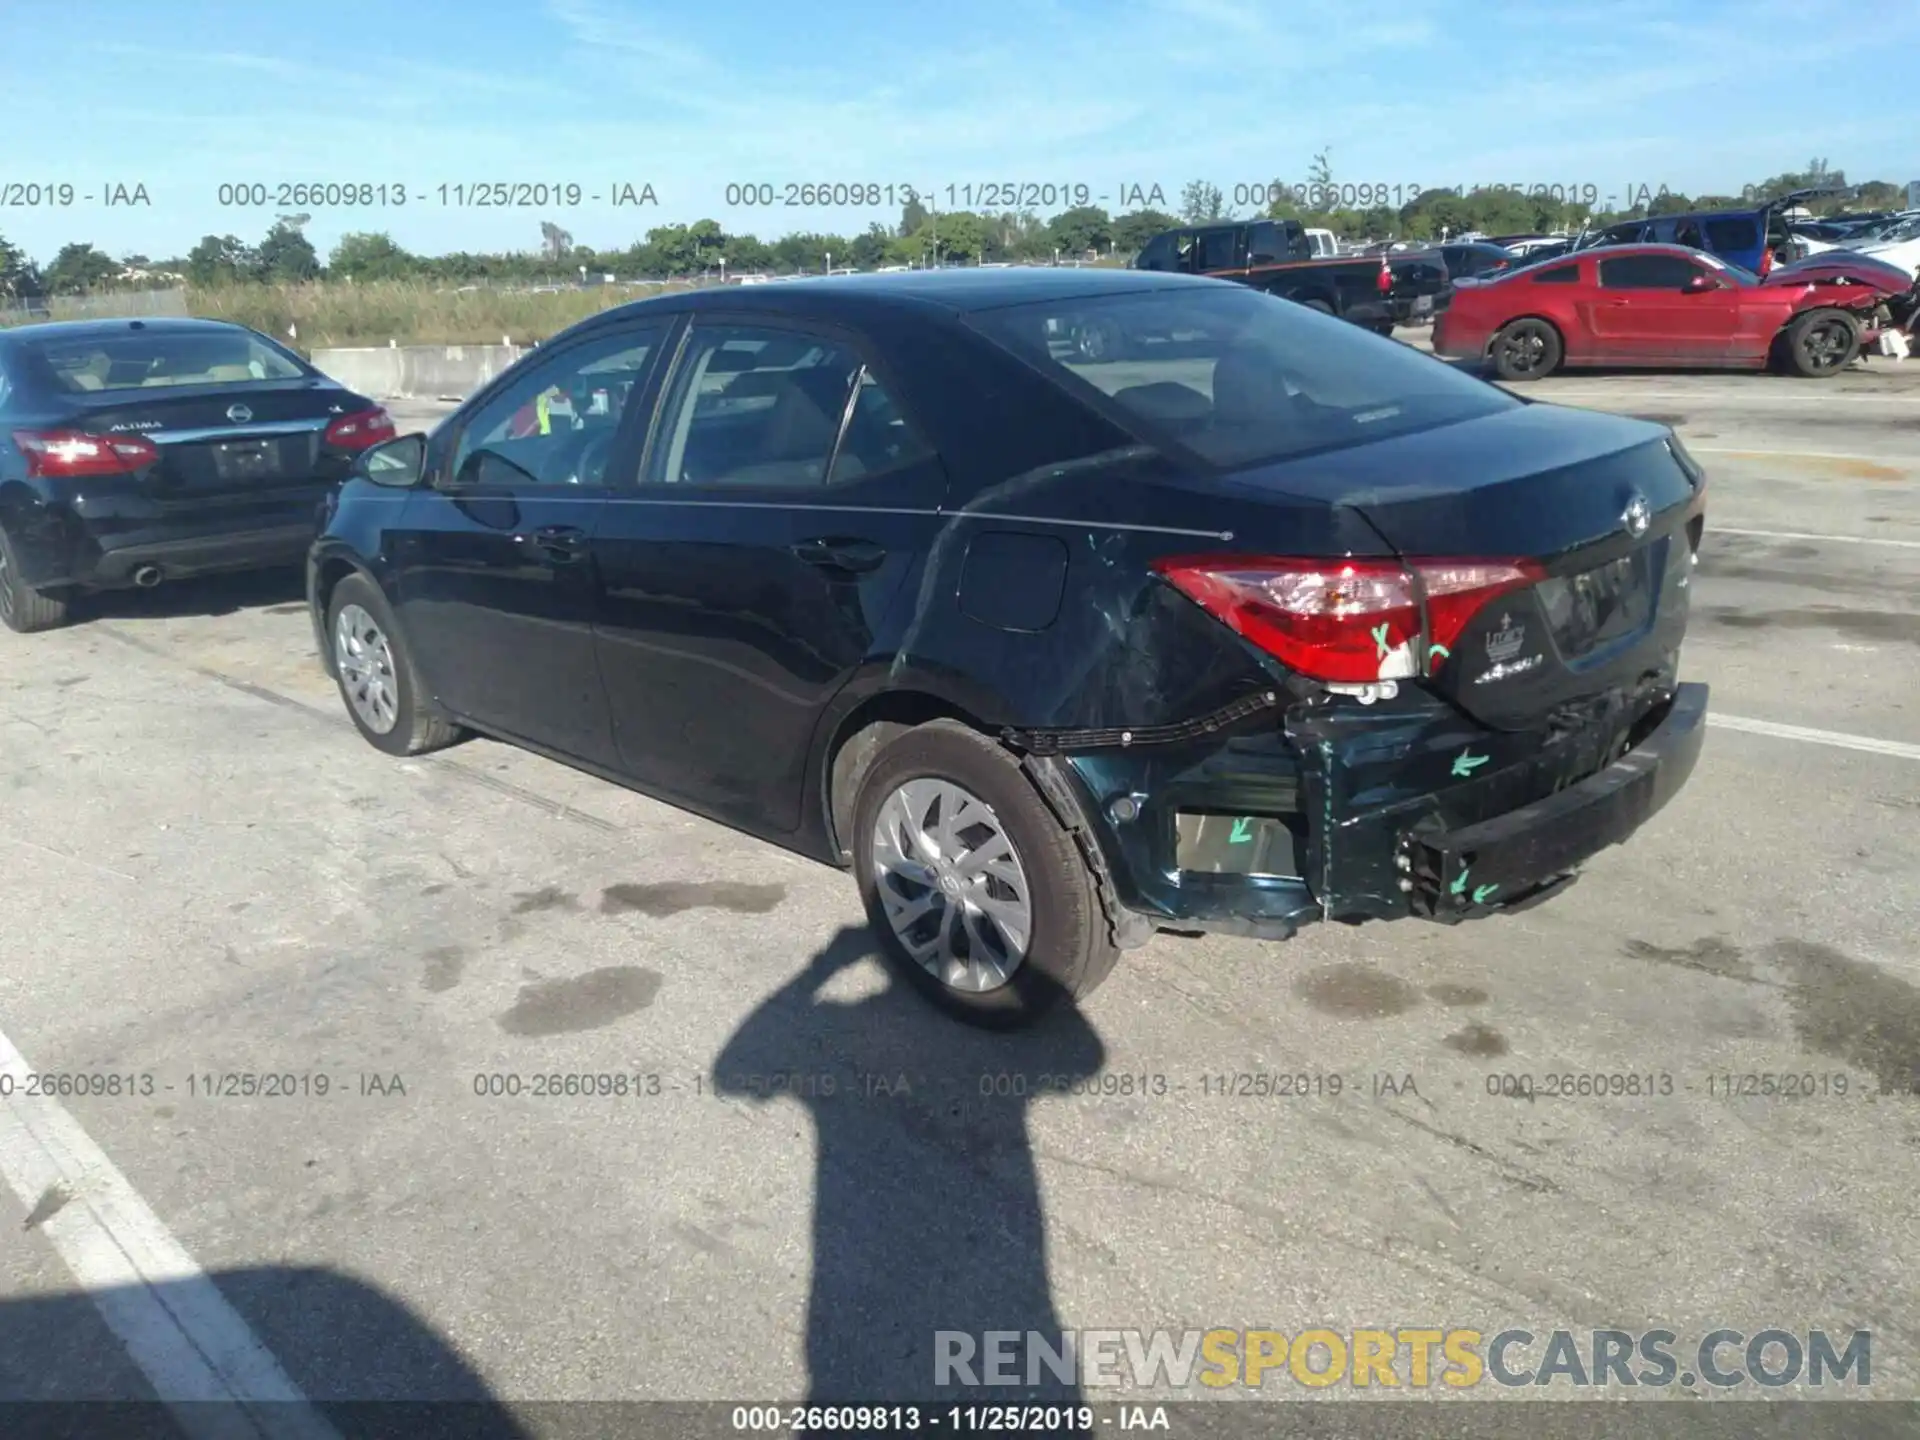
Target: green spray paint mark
(1459, 886)
(1380, 639)
(1242, 831)
(1482, 892)
(1466, 762)
(1435, 654)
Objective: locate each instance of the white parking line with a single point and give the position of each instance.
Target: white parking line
(1807, 535)
(1838, 738)
(1762, 453)
(1723, 397)
(200, 1357)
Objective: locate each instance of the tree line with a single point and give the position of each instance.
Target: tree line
(922, 236)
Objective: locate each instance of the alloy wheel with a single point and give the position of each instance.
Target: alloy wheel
(365, 661)
(1825, 344)
(1524, 349)
(952, 885)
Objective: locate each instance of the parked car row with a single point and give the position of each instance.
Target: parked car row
(1271, 621)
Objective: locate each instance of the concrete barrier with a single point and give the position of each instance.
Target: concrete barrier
(416, 372)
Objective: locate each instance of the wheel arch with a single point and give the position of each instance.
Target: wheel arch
(861, 727)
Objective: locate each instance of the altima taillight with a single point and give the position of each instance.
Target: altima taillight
(1385, 278)
(61, 453)
(1347, 622)
(360, 429)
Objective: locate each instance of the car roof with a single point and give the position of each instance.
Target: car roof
(81, 329)
(948, 291)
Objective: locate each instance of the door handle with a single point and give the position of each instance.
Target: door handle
(561, 544)
(829, 553)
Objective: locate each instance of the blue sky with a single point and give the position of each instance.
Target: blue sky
(182, 96)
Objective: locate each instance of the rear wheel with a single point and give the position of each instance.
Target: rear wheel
(22, 608)
(979, 896)
(1526, 350)
(376, 675)
(1822, 343)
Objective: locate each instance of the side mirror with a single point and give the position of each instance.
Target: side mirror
(1700, 284)
(397, 464)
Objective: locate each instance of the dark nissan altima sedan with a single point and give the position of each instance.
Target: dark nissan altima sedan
(138, 451)
(1272, 621)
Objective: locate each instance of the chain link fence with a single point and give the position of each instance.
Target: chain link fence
(109, 305)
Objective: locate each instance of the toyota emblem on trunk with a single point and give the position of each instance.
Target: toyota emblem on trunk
(239, 414)
(1637, 516)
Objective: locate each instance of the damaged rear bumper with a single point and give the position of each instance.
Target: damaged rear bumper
(1357, 813)
(1529, 852)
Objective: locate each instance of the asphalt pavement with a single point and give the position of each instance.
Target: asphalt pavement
(205, 873)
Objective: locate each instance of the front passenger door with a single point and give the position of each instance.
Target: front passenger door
(495, 577)
(1644, 312)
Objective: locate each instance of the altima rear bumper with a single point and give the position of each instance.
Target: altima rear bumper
(1460, 872)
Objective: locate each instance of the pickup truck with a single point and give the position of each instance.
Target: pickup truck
(1277, 256)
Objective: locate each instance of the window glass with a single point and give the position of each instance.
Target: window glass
(1737, 234)
(147, 359)
(1559, 275)
(877, 437)
(555, 423)
(1239, 376)
(764, 407)
(1646, 272)
(1266, 243)
(1158, 254)
(1218, 250)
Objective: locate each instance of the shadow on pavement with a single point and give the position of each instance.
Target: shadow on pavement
(926, 1202)
(365, 1363)
(199, 595)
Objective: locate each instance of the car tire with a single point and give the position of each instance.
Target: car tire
(23, 609)
(1821, 343)
(379, 683)
(1100, 342)
(1526, 350)
(1068, 949)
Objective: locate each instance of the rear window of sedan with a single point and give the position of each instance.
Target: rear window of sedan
(1237, 377)
(153, 359)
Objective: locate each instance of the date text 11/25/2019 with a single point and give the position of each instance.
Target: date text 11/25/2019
(1050, 195)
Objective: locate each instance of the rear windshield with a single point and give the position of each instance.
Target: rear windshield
(1235, 376)
(149, 360)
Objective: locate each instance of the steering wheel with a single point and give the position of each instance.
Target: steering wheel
(583, 460)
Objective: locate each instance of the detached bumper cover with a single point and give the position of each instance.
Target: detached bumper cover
(1494, 863)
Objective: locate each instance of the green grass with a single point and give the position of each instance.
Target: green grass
(404, 312)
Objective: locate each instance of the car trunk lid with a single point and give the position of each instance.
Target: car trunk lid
(1601, 513)
(250, 442)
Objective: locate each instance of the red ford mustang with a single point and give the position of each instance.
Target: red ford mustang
(1670, 306)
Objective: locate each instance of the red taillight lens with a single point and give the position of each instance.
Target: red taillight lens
(1385, 280)
(79, 452)
(1346, 622)
(1456, 590)
(360, 429)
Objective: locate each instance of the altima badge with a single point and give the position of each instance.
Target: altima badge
(1504, 643)
(1637, 517)
(239, 414)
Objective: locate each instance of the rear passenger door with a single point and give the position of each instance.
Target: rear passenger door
(748, 565)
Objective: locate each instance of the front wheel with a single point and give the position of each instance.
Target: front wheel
(979, 896)
(24, 609)
(1822, 343)
(376, 675)
(1526, 350)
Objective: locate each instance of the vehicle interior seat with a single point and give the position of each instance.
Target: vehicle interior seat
(798, 434)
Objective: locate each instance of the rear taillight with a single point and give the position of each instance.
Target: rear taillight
(360, 429)
(60, 453)
(1346, 622)
(1385, 278)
